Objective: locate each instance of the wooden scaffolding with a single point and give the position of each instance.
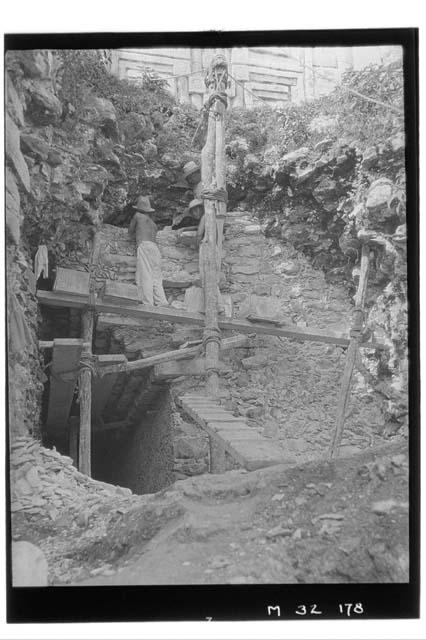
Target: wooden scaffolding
(73, 361)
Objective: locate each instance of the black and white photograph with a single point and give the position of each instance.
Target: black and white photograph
(210, 341)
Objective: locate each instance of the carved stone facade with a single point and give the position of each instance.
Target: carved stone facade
(275, 75)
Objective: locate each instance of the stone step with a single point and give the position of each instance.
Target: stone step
(249, 448)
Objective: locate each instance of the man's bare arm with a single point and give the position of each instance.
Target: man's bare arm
(132, 226)
(200, 230)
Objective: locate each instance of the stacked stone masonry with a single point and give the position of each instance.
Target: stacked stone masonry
(284, 390)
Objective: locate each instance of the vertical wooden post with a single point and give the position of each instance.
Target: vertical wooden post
(85, 395)
(73, 440)
(212, 170)
(85, 375)
(351, 352)
(220, 168)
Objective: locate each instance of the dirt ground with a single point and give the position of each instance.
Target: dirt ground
(344, 521)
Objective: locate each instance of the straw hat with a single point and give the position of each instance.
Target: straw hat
(143, 204)
(190, 168)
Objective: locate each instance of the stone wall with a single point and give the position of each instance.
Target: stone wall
(140, 458)
(68, 167)
(25, 375)
(273, 74)
(288, 390)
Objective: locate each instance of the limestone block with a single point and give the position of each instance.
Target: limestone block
(254, 362)
(43, 107)
(192, 447)
(261, 306)
(246, 269)
(397, 143)
(118, 292)
(253, 229)
(13, 215)
(323, 145)
(194, 299)
(240, 72)
(14, 104)
(34, 146)
(379, 194)
(294, 156)
(262, 289)
(13, 227)
(149, 150)
(35, 62)
(370, 157)
(99, 111)
(225, 302)
(29, 565)
(182, 334)
(196, 84)
(177, 280)
(288, 267)
(95, 177)
(173, 252)
(13, 153)
(325, 190)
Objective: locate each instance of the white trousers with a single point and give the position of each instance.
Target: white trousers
(149, 278)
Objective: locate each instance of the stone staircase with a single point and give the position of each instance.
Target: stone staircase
(244, 444)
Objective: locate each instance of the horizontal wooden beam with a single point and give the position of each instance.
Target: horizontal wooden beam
(49, 344)
(169, 314)
(172, 370)
(169, 356)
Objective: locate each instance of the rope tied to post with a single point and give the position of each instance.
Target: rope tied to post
(211, 335)
(216, 95)
(220, 194)
(358, 318)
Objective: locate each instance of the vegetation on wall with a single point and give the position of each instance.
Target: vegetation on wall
(84, 70)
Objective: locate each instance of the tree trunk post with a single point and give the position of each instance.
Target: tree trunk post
(213, 178)
(351, 353)
(85, 395)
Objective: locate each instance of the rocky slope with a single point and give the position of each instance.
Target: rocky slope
(75, 158)
(344, 521)
(326, 177)
(302, 200)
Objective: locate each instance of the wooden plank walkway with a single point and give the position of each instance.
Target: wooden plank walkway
(63, 379)
(250, 449)
(169, 314)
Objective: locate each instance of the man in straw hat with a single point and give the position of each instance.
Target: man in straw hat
(149, 278)
(192, 175)
(191, 216)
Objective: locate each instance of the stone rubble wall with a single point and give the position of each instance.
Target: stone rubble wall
(288, 390)
(322, 199)
(68, 167)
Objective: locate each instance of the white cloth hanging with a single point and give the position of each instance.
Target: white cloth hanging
(41, 262)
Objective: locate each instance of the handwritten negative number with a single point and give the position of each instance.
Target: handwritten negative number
(302, 610)
(348, 608)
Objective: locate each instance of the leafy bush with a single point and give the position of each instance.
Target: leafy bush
(356, 119)
(84, 70)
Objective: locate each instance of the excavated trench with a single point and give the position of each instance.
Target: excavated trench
(138, 456)
(285, 390)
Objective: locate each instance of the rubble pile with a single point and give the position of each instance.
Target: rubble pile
(45, 483)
